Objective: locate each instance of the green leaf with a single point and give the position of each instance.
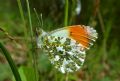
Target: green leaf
(5, 72)
(27, 73)
(11, 62)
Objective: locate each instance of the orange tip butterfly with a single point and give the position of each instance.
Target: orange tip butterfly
(66, 47)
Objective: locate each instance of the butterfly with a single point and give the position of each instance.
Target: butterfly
(66, 47)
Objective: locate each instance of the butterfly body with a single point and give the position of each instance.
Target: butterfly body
(66, 46)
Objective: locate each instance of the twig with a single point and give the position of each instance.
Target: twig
(7, 34)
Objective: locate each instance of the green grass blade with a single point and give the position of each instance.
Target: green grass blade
(22, 17)
(30, 21)
(26, 34)
(66, 23)
(11, 62)
(66, 13)
(32, 42)
(21, 10)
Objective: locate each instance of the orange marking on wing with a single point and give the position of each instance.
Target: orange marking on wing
(79, 34)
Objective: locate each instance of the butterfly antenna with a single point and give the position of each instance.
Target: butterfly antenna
(41, 20)
(39, 23)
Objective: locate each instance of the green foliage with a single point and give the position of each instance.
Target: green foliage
(26, 73)
(11, 62)
(43, 63)
(5, 71)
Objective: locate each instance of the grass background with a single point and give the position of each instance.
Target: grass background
(102, 61)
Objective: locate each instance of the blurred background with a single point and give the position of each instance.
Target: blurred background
(102, 60)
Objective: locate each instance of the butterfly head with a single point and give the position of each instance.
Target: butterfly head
(40, 36)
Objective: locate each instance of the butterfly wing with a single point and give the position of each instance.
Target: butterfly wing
(85, 35)
(64, 53)
(66, 46)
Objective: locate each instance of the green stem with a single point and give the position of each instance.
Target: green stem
(66, 13)
(66, 77)
(11, 62)
(32, 42)
(22, 17)
(25, 29)
(30, 21)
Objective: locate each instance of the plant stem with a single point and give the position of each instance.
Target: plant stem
(66, 77)
(22, 17)
(66, 13)
(101, 21)
(11, 62)
(30, 21)
(32, 42)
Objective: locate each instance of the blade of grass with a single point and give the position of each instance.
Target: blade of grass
(25, 30)
(65, 24)
(30, 21)
(11, 62)
(66, 77)
(21, 11)
(32, 42)
(66, 13)
(106, 35)
(22, 17)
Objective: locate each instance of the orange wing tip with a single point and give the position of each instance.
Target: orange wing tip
(92, 33)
